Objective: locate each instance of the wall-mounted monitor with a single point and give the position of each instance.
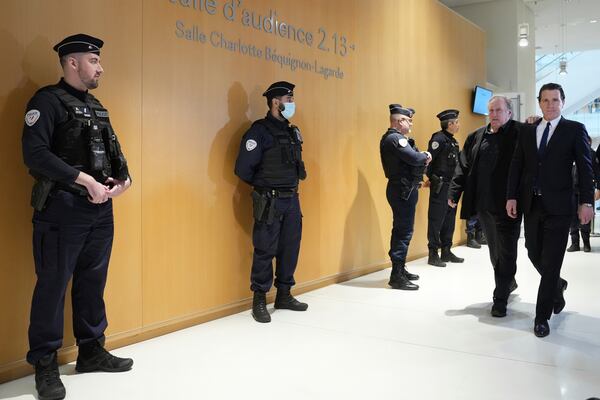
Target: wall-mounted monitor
(481, 96)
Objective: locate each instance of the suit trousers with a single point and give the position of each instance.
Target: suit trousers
(502, 233)
(546, 238)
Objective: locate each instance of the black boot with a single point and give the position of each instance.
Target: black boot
(434, 259)
(449, 256)
(285, 300)
(480, 237)
(471, 241)
(574, 244)
(408, 275)
(93, 357)
(47, 379)
(401, 282)
(259, 308)
(586, 243)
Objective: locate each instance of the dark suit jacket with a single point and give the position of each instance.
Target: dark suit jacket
(568, 144)
(465, 175)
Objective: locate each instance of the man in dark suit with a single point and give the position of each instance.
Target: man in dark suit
(481, 173)
(540, 185)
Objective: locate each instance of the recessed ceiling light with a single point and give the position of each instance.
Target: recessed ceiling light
(593, 21)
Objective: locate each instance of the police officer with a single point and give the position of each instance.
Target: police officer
(441, 217)
(404, 166)
(71, 149)
(270, 159)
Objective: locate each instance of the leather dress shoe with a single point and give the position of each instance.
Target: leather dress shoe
(541, 329)
(498, 309)
(559, 301)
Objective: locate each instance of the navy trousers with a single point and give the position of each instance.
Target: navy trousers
(71, 238)
(279, 240)
(441, 219)
(404, 220)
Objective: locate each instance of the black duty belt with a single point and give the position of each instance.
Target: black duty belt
(72, 188)
(278, 193)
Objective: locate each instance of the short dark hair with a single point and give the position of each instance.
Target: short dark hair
(552, 86)
(270, 100)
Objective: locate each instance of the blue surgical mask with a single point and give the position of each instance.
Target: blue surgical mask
(289, 110)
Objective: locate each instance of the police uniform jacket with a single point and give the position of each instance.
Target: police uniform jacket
(402, 162)
(444, 155)
(465, 174)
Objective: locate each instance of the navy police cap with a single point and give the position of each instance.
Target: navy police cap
(79, 43)
(448, 114)
(281, 88)
(398, 109)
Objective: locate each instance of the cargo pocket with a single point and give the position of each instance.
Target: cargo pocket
(45, 247)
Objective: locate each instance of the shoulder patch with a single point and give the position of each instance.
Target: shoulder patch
(435, 145)
(403, 142)
(31, 117)
(251, 144)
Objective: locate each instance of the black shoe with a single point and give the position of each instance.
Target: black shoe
(480, 237)
(434, 259)
(448, 256)
(47, 379)
(573, 247)
(498, 309)
(402, 283)
(93, 357)
(586, 245)
(408, 275)
(513, 286)
(541, 329)
(259, 308)
(472, 242)
(559, 301)
(285, 300)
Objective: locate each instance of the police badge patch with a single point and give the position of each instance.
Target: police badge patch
(435, 145)
(251, 144)
(403, 142)
(31, 117)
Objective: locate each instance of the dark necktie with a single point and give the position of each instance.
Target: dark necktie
(544, 141)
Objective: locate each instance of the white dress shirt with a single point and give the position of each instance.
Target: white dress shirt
(540, 130)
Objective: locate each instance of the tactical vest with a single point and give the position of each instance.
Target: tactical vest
(445, 162)
(394, 168)
(86, 140)
(282, 164)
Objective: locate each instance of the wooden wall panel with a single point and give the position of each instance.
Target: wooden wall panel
(183, 242)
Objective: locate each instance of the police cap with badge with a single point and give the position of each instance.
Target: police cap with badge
(448, 114)
(79, 43)
(278, 89)
(398, 109)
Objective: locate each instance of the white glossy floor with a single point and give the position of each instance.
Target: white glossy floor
(361, 340)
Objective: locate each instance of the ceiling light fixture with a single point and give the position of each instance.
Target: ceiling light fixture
(562, 65)
(524, 35)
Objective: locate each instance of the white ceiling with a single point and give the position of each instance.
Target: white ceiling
(551, 15)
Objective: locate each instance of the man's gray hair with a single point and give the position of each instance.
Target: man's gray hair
(507, 101)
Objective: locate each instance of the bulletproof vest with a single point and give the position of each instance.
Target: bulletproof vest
(394, 168)
(444, 163)
(281, 165)
(86, 140)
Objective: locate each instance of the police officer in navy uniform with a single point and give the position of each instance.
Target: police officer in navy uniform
(73, 153)
(270, 159)
(404, 166)
(441, 217)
